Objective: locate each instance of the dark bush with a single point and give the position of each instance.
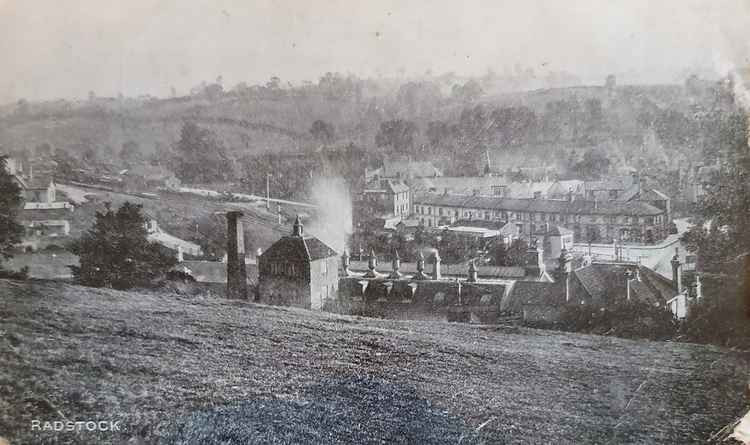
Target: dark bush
(22, 274)
(177, 275)
(628, 319)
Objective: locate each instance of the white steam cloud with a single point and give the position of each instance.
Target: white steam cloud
(333, 223)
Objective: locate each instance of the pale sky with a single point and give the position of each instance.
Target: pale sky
(65, 48)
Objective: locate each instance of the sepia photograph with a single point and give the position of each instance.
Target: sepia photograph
(232, 222)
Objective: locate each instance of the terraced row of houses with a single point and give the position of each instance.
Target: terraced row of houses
(595, 221)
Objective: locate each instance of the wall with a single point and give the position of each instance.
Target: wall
(324, 281)
(284, 291)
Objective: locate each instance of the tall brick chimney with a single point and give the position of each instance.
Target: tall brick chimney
(236, 273)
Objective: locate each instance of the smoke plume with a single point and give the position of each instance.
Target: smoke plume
(333, 222)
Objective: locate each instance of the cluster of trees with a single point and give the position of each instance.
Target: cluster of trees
(10, 230)
(116, 253)
(200, 156)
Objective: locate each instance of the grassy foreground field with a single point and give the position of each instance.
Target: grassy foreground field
(179, 369)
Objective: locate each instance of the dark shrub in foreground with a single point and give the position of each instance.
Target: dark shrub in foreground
(629, 320)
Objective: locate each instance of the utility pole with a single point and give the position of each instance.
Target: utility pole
(268, 191)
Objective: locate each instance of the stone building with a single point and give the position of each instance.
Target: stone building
(595, 221)
(421, 295)
(387, 197)
(298, 270)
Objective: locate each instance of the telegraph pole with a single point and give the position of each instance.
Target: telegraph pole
(268, 191)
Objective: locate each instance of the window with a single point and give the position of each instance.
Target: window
(429, 210)
(613, 194)
(440, 211)
(543, 216)
(487, 216)
(324, 267)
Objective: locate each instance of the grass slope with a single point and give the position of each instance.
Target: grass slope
(176, 369)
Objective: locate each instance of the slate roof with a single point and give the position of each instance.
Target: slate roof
(387, 185)
(612, 183)
(460, 185)
(45, 214)
(535, 293)
(633, 208)
(416, 169)
(653, 195)
(606, 283)
(295, 247)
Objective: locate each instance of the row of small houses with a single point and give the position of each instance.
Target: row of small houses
(300, 270)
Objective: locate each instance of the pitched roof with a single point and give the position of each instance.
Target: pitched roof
(296, 247)
(610, 183)
(634, 208)
(653, 195)
(387, 185)
(416, 169)
(460, 185)
(606, 282)
(534, 292)
(34, 214)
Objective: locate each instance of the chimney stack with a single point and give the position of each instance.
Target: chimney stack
(472, 272)
(236, 272)
(436, 266)
(677, 270)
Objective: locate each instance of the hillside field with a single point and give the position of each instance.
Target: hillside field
(191, 369)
